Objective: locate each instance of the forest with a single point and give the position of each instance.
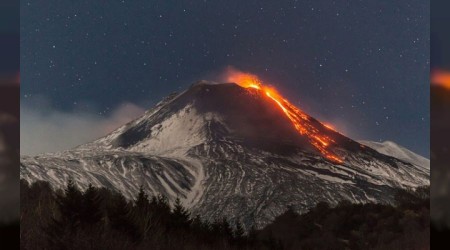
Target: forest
(98, 218)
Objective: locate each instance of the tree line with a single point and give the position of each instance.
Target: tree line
(98, 218)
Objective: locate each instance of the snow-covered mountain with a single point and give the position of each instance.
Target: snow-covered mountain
(393, 149)
(228, 151)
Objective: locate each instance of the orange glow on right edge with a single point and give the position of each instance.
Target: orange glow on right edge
(441, 78)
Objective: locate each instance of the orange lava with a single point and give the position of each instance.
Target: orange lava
(299, 119)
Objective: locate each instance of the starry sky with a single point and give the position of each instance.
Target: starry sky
(362, 66)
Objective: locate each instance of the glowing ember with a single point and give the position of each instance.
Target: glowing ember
(298, 118)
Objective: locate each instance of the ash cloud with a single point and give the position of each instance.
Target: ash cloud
(46, 129)
(224, 75)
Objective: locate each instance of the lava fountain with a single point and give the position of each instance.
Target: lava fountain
(300, 120)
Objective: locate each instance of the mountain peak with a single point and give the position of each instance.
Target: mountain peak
(228, 111)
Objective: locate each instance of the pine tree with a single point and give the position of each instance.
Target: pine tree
(239, 231)
(162, 210)
(60, 229)
(163, 203)
(225, 228)
(141, 201)
(119, 216)
(141, 214)
(154, 202)
(70, 205)
(180, 214)
(91, 212)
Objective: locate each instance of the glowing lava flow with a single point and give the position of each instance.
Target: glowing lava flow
(298, 118)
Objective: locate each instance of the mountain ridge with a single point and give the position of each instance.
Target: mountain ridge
(395, 150)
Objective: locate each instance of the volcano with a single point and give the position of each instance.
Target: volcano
(234, 150)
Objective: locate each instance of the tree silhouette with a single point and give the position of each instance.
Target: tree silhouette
(70, 205)
(180, 214)
(117, 224)
(141, 214)
(225, 228)
(239, 231)
(91, 206)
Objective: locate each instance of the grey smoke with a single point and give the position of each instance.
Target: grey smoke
(46, 129)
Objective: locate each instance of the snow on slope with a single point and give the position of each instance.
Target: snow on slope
(217, 179)
(392, 149)
(121, 171)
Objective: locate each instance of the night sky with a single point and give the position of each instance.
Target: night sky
(360, 65)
